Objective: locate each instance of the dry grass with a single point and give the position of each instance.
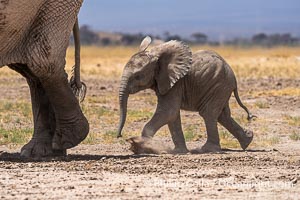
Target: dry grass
(104, 62)
(255, 62)
(293, 120)
(290, 91)
(295, 136)
(15, 122)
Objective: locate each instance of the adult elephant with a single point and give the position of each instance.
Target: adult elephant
(34, 36)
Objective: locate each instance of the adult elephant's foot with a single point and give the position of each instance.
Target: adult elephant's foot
(39, 148)
(246, 140)
(71, 126)
(68, 135)
(208, 147)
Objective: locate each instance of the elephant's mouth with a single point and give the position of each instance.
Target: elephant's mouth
(133, 90)
(136, 89)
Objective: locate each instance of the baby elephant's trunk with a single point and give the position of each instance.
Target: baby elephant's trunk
(123, 99)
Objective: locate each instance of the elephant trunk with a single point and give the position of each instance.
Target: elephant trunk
(123, 99)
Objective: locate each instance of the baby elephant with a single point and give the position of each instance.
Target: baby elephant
(201, 82)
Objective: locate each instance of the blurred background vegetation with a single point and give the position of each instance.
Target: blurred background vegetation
(101, 38)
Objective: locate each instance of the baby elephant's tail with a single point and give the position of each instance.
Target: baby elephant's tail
(236, 95)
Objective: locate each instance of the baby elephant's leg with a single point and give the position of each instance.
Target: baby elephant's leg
(167, 110)
(158, 120)
(213, 141)
(144, 144)
(177, 136)
(165, 113)
(243, 136)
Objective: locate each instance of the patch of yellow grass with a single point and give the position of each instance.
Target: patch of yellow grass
(104, 62)
(265, 141)
(15, 121)
(254, 62)
(290, 91)
(293, 120)
(7, 73)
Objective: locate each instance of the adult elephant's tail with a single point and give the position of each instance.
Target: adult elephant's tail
(78, 87)
(236, 95)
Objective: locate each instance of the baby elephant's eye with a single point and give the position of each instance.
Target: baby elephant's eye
(138, 77)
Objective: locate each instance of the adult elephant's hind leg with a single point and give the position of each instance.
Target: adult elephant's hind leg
(71, 125)
(243, 136)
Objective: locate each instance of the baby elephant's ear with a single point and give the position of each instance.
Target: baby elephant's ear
(145, 43)
(174, 62)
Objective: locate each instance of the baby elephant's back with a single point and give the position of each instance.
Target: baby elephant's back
(209, 78)
(209, 67)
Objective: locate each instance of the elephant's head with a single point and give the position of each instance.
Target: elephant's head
(159, 68)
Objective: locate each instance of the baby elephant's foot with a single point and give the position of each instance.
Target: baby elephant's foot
(207, 148)
(247, 139)
(178, 150)
(143, 145)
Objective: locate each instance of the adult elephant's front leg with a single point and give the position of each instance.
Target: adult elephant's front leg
(43, 118)
(71, 125)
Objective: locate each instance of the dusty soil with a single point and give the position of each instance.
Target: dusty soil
(110, 171)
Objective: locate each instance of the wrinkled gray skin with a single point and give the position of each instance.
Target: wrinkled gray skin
(34, 36)
(202, 82)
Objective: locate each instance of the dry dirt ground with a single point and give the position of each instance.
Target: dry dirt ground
(269, 170)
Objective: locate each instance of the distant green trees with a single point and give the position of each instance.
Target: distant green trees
(87, 36)
(199, 38)
(274, 39)
(91, 37)
(131, 39)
